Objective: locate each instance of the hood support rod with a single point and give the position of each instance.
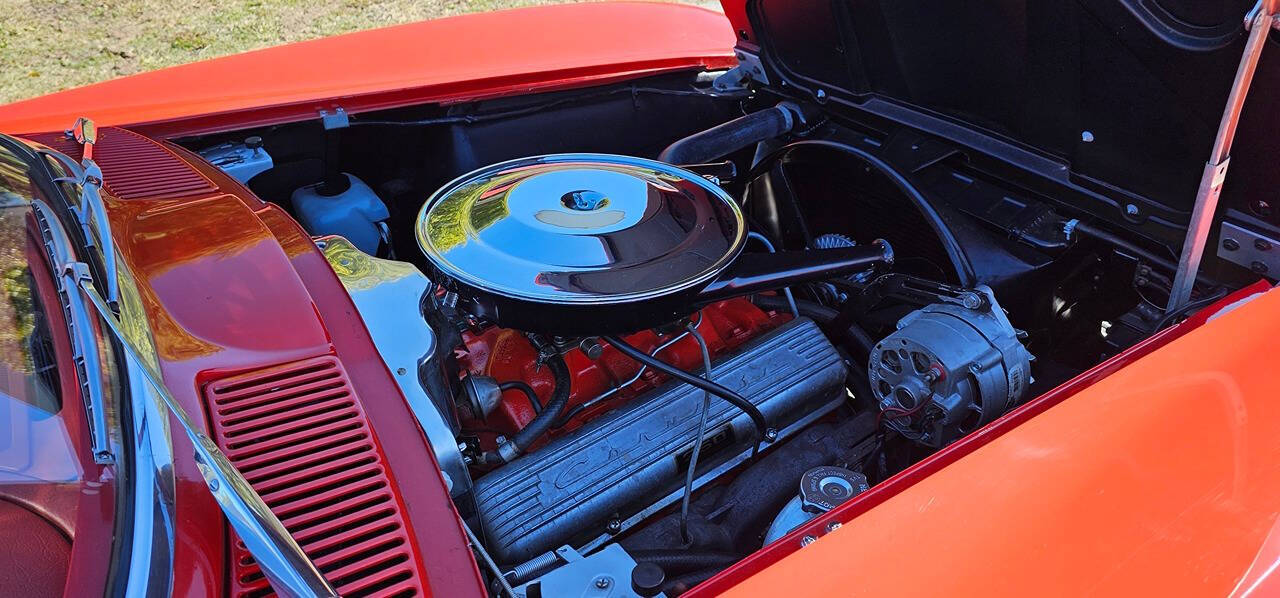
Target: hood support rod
(1259, 22)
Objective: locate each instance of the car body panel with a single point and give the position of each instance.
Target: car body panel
(1158, 479)
(452, 59)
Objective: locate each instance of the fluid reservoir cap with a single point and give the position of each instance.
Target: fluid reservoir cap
(823, 488)
(647, 579)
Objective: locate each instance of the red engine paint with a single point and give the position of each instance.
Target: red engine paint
(507, 355)
(303, 442)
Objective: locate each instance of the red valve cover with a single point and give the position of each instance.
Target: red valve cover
(507, 355)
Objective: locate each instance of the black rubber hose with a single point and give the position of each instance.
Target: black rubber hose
(818, 313)
(527, 390)
(956, 253)
(722, 140)
(762, 427)
(681, 561)
(541, 422)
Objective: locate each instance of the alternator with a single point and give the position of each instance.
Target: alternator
(949, 369)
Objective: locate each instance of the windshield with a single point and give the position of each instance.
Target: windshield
(52, 493)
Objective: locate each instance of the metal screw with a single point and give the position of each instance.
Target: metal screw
(1131, 210)
(1262, 244)
(1086, 136)
(770, 434)
(807, 540)
(1259, 267)
(401, 371)
(975, 368)
(602, 582)
(833, 526)
(972, 300)
(1260, 208)
(821, 95)
(614, 526)
(1230, 244)
(501, 440)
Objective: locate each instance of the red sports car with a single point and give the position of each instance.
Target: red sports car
(630, 299)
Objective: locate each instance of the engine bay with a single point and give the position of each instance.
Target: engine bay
(661, 324)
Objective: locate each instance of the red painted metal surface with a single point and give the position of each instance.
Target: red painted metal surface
(921, 472)
(300, 437)
(133, 166)
(231, 285)
(454, 59)
(507, 356)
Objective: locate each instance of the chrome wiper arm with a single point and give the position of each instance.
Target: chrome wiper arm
(91, 211)
(284, 563)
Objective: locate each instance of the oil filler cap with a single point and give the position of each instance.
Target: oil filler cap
(824, 488)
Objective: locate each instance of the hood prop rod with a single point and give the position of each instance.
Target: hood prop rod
(1259, 22)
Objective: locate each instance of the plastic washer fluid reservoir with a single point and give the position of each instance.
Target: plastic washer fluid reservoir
(354, 214)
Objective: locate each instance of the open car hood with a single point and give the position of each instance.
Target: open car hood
(1122, 97)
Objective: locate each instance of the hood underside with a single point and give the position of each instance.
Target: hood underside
(1123, 96)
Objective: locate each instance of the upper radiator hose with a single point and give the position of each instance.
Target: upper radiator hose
(720, 141)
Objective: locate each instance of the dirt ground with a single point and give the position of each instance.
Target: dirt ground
(50, 45)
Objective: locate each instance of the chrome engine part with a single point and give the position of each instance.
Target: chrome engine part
(583, 488)
(950, 368)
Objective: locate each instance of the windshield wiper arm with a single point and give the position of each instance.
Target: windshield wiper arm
(283, 562)
(91, 212)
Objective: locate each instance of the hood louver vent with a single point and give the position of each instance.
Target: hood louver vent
(300, 437)
(135, 167)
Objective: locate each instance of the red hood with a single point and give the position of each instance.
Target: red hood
(452, 59)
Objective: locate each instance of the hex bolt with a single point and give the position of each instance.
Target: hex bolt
(1259, 267)
(833, 526)
(820, 95)
(614, 526)
(1262, 244)
(1131, 210)
(1230, 244)
(807, 540)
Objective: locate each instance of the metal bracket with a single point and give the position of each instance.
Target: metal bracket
(337, 120)
(1260, 22)
(1255, 251)
(749, 69)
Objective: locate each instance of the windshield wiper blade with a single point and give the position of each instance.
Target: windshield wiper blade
(91, 212)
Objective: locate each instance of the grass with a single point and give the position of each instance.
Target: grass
(50, 45)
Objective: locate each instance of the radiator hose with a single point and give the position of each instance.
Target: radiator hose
(744, 131)
(547, 416)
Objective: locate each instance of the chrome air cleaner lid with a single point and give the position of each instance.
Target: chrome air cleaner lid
(579, 230)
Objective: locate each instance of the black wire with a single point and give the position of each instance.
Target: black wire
(1189, 308)
(959, 259)
(527, 390)
(467, 119)
(762, 427)
(702, 431)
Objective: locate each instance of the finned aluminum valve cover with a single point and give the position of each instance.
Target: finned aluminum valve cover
(630, 462)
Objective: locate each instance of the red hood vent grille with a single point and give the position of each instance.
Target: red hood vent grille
(135, 167)
(298, 434)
